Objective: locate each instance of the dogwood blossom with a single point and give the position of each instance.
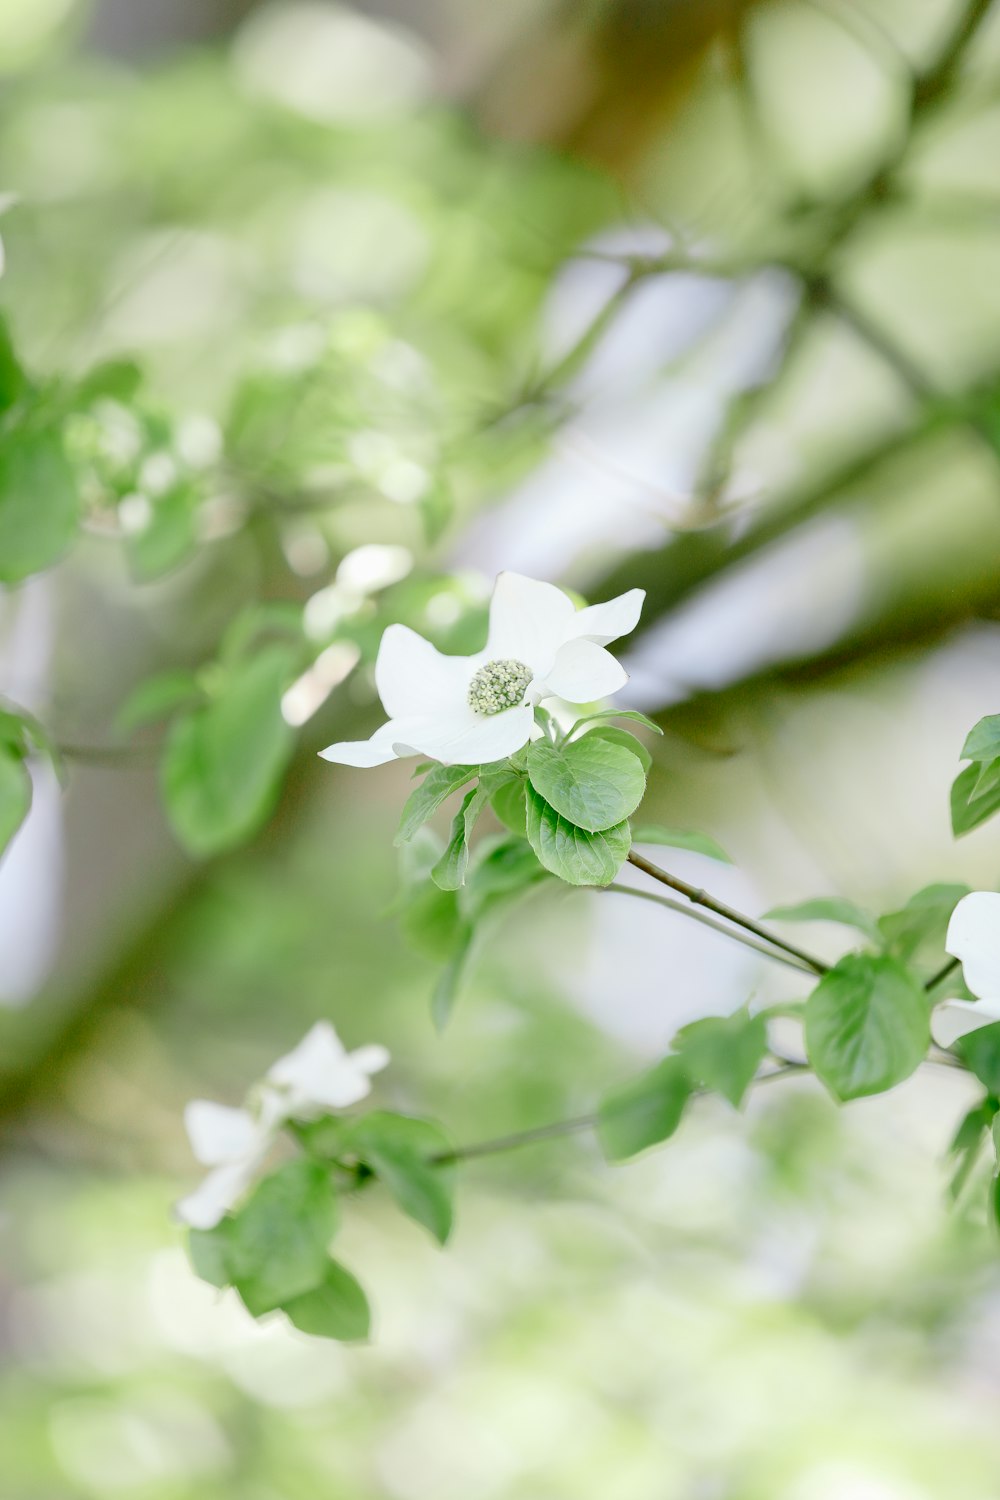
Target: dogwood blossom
(470, 710)
(973, 937)
(319, 1075)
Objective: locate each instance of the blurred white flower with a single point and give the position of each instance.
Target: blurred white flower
(469, 710)
(319, 1075)
(974, 938)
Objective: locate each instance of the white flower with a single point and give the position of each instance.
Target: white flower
(318, 1076)
(973, 937)
(470, 710)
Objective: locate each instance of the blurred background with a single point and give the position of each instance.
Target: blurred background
(700, 297)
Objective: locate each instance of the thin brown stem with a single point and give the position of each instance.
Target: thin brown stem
(575, 1125)
(699, 897)
(735, 934)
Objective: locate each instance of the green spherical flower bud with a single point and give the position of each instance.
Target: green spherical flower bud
(499, 685)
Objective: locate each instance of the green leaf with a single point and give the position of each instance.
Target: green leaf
(632, 714)
(723, 1053)
(13, 384)
(593, 784)
(156, 699)
(209, 1252)
(645, 1111)
(576, 856)
(446, 990)
(425, 799)
(680, 838)
(982, 743)
(504, 868)
(15, 793)
(989, 778)
(335, 1309)
(450, 870)
(222, 768)
(968, 1140)
(278, 1241)
(967, 809)
(398, 1149)
(508, 804)
(38, 502)
(923, 921)
(867, 1025)
(170, 536)
(980, 1051)
(114, 379)
(828, 909)
(627, 741)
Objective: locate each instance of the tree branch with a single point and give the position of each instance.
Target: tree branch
(702, 898)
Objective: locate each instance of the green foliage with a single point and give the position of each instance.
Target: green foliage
(631, 714)
(680, 838)
(400, 1150)
(38, 497)
(645, 1111)
(627, 741)
(723, 1053)
(922, 924)
(335, 1309)
(975, 793)
(157, 698)
(424, 801)
(980, 1051)
(574, 854)
(509, 806)
(828, 909)
(224, 761)
(276, 1244)
(589, 782)
(867, 1026)
(450, 870)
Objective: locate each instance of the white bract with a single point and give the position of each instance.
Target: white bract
(318, 1076)
(973, 937)
(470, 710)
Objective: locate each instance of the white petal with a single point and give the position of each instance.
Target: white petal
(584, 672)
(218, 1133)
(319, 1050)
(974, 937)
(414, 678)
(528, 622)
(467, 739)
(203, 1208)
(374, 752)
(956, 1018)
(371, 1059)
(606, 622)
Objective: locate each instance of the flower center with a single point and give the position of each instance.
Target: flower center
(499, 685)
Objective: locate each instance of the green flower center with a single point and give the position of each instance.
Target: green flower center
(499, 685)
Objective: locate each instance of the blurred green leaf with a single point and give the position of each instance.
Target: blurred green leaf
(277, 1242)
(923, 921)
(399, 1149)
(980, 1051)
(222, 768)
(867, 1025)
(509, 805)
(15, 793)
(828, 909)
(38, 501)
(12, 378)
(723, 1053)
(680, 838)
(335, 1309)
(968, 807)
(155, 699)
(645, 1111)
(982, 743)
